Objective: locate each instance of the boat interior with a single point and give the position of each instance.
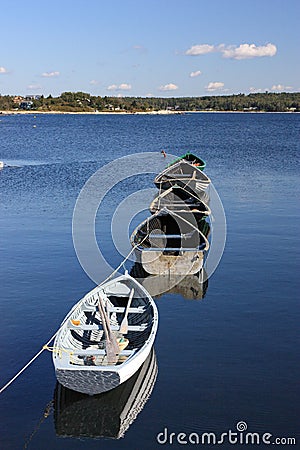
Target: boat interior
(84, 331)
(178, 199)
(182, 169)
(169, 234)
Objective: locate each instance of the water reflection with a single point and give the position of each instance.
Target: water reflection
(191, 287)
(105, 415)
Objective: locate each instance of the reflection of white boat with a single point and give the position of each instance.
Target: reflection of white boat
(105, 415)
(106, 337)
(191, 287)
(1, 164)
(167, 243)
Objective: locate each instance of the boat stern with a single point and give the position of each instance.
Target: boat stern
(158, 263)
(89, 382)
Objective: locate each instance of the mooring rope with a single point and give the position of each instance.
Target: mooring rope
(28, 364)
(47, 411)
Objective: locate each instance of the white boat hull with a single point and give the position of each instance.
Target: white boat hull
(100, 380)
(74, 372)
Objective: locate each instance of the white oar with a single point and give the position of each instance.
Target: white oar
(124, 323)
(112, 348)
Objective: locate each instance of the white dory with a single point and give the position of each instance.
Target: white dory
(101, 342)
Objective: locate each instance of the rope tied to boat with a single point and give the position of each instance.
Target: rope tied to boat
(59, 351)
(47, 411)
(46, 346)
(28, 364)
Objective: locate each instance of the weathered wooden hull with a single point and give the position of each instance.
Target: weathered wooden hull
(182, 174)
(157, 263)
(181, 201)
(191, 287)
(194, 186)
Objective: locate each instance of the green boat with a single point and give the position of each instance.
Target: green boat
(192, 159)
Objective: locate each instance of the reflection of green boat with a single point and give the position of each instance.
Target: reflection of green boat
(192, 159)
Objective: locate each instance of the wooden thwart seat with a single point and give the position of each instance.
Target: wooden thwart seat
(113, 327)
(116, 309)
(95, 352)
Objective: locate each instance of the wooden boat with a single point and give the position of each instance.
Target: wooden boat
(109, 414)
(192, 159)
(184, 175)
(180, 200)
(105, 337)
(167, 243)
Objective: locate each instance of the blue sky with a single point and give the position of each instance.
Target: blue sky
(149, 47)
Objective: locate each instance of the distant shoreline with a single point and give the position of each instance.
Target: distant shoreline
(149, 113)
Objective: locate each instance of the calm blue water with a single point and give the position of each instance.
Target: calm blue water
(232, 356)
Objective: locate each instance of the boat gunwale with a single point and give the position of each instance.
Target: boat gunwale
(164, 211)
(182, 157)
(202, 176)
(172, 189)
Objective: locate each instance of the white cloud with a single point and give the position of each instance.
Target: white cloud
(200, 49)
(94, 82)
(168, 87)
(140, 48)
(195, 74)
(112, 87)
(243, 51)
(3, 70)
(280, 87)
(34, 87)
(254, 89)
(214, 86)
(274, 88)
(125, 87)
(50, 74)
(246, 51)
(121, 87)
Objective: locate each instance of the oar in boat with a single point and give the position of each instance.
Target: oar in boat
(124, 323)
(112, 348)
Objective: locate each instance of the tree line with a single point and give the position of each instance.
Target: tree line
(84, 102)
